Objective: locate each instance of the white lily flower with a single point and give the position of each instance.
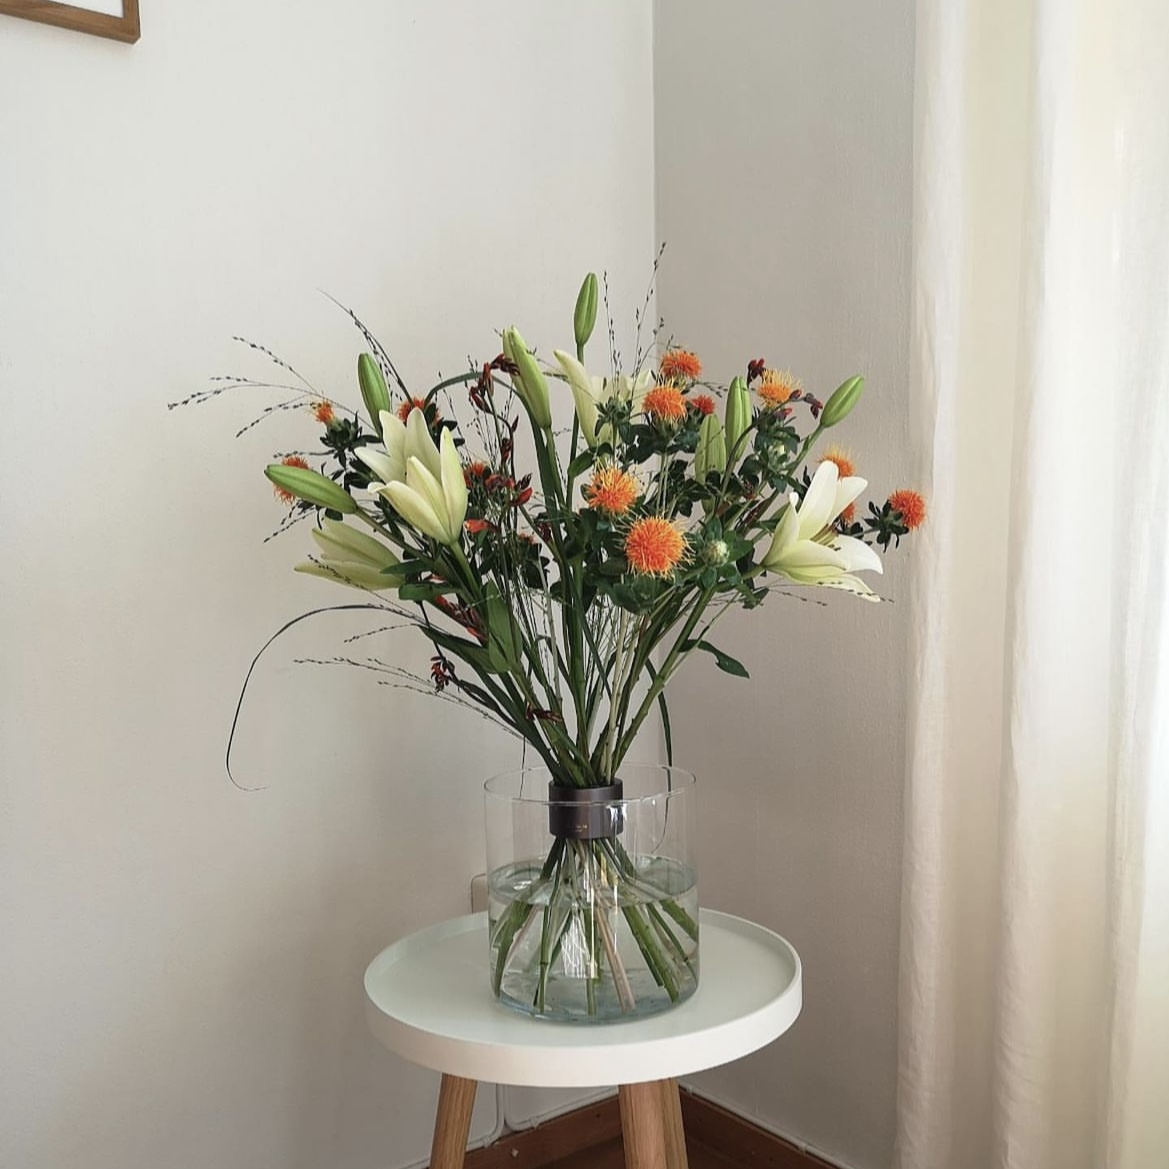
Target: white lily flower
(402, 442)
(806, 551)
(591, 394)
(351, 557)
(436, 504)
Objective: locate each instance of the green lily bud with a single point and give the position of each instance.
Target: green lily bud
(310, 486)
(843, 399)
(738, 415)
(374, 391)
(585, 316)
(530, 383)
(711, 454)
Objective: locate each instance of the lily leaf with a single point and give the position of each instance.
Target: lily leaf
(724, 661)
(423, 592)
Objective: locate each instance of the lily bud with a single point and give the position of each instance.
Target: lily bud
(529, 383)
(843, 399)
(311, 486)
(711, 454)
(585, 316)
(583, 397)
(738, 415)
(374, 391)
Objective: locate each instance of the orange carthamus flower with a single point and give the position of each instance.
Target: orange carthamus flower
(665, 403)
(703, 403)
(282, 493)
(414, 404)
(476, 470)
(680, 363)
(844, 464)
(653, 546)
(911, 506)
(612, 490)
(323, 412)
(847, 516)
(778, 386)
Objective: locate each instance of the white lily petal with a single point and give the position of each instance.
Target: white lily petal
(851, 584)
(583, 394)
(812, 574)
(420, 479)
(786, 533)
(358, 576)
(816, 511)
(342, 541)
(454, 485)
(381, 464)
(809, 554)
(858, 556)
(394, 440)
(415, 510)
(846, 491)
(419, 445)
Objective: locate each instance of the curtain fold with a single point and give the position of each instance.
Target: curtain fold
(1035, 922)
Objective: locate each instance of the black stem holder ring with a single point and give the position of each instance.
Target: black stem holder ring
(586, 813)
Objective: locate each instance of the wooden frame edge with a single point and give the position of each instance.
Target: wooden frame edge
(125, 28)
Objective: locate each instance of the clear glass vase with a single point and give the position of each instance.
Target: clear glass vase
(592, 894)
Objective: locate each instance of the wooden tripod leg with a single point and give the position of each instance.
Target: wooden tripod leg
(452, 1124)
(672, 1121)
(643, 1125)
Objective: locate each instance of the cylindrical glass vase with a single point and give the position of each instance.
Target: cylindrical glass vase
(592, 894)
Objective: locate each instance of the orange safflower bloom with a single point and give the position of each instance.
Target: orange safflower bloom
(323, 412)
(847, 516)
(843, 460)
(703, 403)
(680, 363)
(282, 493)
(612, 490)
(475, 470)
(778, 386)
(664, 403)
(414, 404)
(653, 546)
(911, 506)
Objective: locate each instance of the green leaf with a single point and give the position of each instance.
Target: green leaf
(665, 713)
(469, 651)
(417, 591)
(581, 463)
(500, 638)
(724, 661)
(413, 567)
(629, 598)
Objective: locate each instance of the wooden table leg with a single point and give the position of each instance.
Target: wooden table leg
(672, 1120)
(452, 1124)
(651, 1125)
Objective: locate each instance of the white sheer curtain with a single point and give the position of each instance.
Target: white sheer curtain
(1035, 937)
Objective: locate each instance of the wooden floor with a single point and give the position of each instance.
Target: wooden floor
(611, 1156)
(590, 1138)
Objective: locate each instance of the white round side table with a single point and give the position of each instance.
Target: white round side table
(428, 999)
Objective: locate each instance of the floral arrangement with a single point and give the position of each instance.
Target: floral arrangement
(563, 577)
(562, 601)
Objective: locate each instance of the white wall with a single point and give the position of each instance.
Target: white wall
(783, 145)
(180, 961)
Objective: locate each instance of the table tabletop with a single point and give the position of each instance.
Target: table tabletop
(428, 999)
